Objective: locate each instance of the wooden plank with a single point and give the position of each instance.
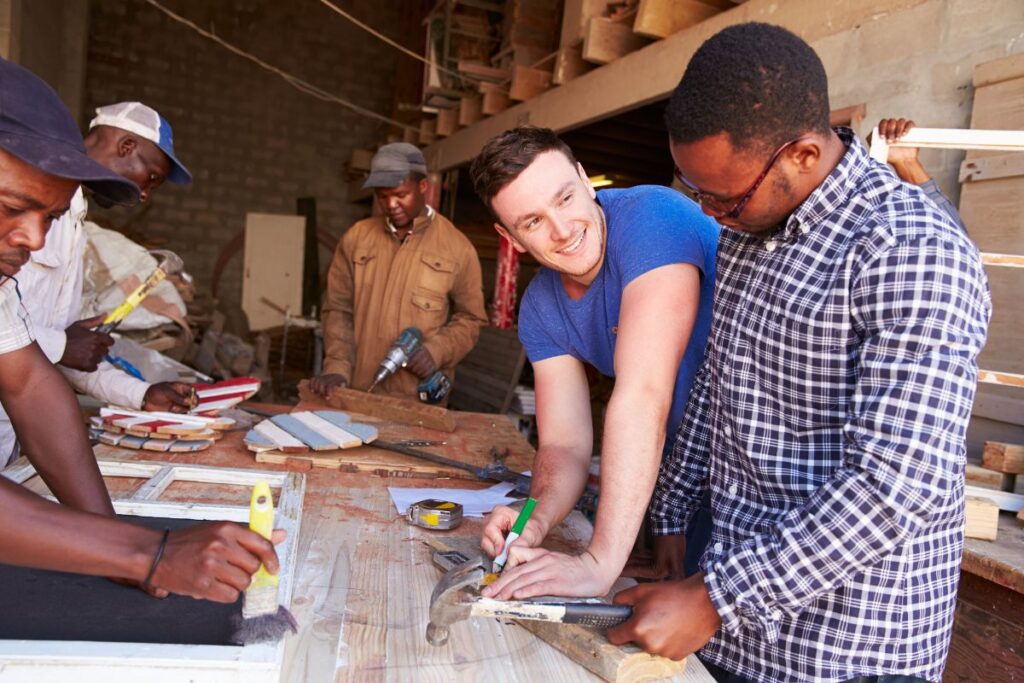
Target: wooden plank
(606, 41)
(982, 518)
(447, 121)
(569, 64)
(992, 167)
(304, 433)
(1011, 502)
(999, 70)
(1003, 457)
(337, 435)
(272, 267)
(950, 138)
(575, 17)
(528, 82)
(470, 109)
(366, 433)
(1000, 481)
(662, 18)
(283, 440)
(494, 101)
(386, 407)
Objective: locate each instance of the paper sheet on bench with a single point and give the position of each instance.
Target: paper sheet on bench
(474, 503)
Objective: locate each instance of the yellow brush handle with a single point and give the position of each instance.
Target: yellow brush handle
(261, 520)
(135, 298)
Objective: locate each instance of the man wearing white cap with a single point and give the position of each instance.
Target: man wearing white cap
(136, 143)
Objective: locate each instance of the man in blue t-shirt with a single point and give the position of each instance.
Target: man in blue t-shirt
(626, 285)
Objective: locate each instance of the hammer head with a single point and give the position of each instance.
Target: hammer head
(167, 261)
(449, 602)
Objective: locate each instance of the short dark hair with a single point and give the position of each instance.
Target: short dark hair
(759, 83)
(505, 156)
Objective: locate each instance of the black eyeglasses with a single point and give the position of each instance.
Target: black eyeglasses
(716, 206)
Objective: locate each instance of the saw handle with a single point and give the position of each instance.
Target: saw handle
(596, 614)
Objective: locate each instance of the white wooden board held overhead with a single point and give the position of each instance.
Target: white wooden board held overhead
(94, 662)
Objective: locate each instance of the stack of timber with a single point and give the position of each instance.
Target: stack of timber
(991, 204)
(991, 488)
(156, 431)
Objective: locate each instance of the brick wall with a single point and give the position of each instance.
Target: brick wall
(251, 141)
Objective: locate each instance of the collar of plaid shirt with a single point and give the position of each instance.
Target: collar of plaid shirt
(829, 422)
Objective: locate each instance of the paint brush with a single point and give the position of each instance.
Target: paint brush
(262, 620)
(517, 529)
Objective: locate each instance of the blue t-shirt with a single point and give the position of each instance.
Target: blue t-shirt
(649, 226)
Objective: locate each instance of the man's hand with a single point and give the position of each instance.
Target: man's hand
(903, 159)
(543, 572)
(498, 525)
(85, 347)
(323, 384)
(422, 363)
(673, 619)
(172, 397)
(669, 552)
(214, 561)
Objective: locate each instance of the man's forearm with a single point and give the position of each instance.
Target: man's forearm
(49, 426)
(558, 478)
(630, 456)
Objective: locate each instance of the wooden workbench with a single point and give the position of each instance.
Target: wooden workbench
(363, 577)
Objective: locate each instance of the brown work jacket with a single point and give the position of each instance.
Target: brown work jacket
(378, 286)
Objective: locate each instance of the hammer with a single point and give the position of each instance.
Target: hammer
(452, 602)
(168, 263)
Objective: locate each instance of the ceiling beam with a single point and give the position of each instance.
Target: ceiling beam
(652, 72)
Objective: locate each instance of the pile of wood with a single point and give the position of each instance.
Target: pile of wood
(991, 488)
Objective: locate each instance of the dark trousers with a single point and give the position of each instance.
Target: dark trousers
(723, 676)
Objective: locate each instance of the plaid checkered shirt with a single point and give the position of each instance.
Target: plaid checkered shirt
(829, 422)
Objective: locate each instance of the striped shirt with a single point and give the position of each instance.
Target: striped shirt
(829, 421)
(15, 326)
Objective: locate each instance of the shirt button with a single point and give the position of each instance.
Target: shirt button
(733, 489)
(727, 430)
(718, 547)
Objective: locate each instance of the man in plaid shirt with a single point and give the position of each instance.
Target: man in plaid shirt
(829, 417)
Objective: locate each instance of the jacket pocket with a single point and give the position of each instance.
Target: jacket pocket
(429, 310)
(436, 274)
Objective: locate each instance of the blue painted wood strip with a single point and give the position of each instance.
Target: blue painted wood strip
(335, 417)
(363, 431)
(311, 438)
(256, 439)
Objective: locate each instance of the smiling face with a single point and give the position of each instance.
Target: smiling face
(549, 211)
(30, 200)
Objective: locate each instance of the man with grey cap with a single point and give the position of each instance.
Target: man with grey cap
(42, 162)
(135, 142)
(409, 267)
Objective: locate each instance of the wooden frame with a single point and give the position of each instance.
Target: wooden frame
(88, 662)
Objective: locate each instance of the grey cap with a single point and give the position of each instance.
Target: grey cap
(393, 163)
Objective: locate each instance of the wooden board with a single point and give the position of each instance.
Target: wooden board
(528, 82)
(982, 518)
(471, 441)
(980, 476)
(46, 661)
(495, 99)
(569, 64)
(1003, 457)
(272, 268)
(575, 17)
(606, 41)
(662, 18)
(385, 407)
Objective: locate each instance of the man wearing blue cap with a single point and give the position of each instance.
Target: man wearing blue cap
(135, 142)
(42, 162)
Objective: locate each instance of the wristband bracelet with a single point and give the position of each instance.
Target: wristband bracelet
(156, 559)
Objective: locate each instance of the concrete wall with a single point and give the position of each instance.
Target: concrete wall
(918, 64)
(252, 142)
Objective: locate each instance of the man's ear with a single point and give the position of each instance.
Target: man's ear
(512, 240)
(424, 185)
(586, 180)
(806, 154)
(126, 146)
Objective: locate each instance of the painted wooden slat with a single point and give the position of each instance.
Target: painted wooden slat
(158, 445)
(184, 446)
(367, 433)
(310, 437)
(255, 441)
(339, 436)
(152, 489)
(285, 442)
(335, 417)
(949, 138)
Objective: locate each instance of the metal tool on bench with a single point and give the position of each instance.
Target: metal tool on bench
(435, 514)
(168, 263)
(496, 471)
(433, 389)
(452, 601)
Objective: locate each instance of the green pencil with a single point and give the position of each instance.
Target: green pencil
(517, 528)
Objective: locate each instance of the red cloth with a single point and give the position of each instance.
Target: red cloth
(504, 316)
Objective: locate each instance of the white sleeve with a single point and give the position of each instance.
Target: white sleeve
(109, 384)
(15, 324)
(52, 342)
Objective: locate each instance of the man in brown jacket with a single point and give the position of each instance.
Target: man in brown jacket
(408, 268)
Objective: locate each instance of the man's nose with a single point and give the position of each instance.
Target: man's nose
(31, 232)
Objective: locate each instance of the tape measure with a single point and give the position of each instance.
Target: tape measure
(435, 514)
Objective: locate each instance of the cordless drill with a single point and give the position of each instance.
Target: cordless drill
(433, 389)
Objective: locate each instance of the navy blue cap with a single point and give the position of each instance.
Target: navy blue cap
(36, 127)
